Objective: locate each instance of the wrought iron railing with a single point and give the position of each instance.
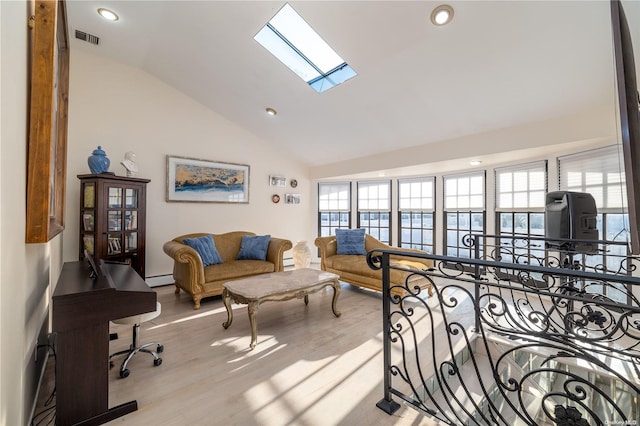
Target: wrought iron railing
(506, 343)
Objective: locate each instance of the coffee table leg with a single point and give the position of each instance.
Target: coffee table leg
(226, 298)
(306, 299)
(253, 310)
(336, 293)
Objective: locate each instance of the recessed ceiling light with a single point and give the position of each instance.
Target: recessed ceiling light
(475, 162)
(271, 111)
(108, 14)
(442, 15)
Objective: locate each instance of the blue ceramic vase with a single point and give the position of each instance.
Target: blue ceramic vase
(98, 161)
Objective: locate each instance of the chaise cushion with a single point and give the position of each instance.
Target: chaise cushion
(254, 247)
(354, 267)
(350, 241)
(206, 248)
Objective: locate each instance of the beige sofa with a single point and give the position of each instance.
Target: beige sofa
(198, 281)
(354, 269)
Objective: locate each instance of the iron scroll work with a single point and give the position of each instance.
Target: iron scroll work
(549, 337)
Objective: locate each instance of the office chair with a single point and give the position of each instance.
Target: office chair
(136, 320)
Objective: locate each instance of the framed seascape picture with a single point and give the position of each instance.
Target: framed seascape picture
(190, 179)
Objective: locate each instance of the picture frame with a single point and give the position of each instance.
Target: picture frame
(279, 181)
(48, 109)
(292, 198)
(197, 180)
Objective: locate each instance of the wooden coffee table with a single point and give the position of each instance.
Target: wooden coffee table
(276, 286)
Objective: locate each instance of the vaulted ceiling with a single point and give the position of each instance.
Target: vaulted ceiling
(497, 64)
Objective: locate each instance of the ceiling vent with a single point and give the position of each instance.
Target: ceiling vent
(89, 38)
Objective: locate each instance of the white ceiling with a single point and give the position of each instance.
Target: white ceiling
(497, 64)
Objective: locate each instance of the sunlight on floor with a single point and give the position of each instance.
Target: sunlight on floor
(280, 396)
(190, 318)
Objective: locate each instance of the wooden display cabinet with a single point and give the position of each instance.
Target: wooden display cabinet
(113, 219)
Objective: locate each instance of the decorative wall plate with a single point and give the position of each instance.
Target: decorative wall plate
(275, 198)
(294, 183)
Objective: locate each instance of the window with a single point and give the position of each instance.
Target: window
(464, 211)
(520, 205)
(415, 213)
(290, 39)
(600, 173)
(374, 209)
(334, 207)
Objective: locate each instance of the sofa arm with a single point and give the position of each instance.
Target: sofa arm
(275, 252)
(328, 247)
(187, 267)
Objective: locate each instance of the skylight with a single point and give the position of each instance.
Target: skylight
(290, 39)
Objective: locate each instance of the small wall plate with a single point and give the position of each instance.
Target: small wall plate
(294, 183)
(275, 198)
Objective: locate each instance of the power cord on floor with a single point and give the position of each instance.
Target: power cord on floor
(47, 416)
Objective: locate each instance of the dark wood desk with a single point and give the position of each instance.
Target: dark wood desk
(82, 309)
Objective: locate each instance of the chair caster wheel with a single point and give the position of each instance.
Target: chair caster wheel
(160, 348)
(157, 362)
(124, 373)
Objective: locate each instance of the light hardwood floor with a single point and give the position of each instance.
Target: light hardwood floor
(308, 368)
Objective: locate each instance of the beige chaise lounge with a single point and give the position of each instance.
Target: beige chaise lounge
(354, 269)
(198, 281)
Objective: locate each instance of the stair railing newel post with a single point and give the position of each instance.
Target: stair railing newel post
(475, 240)
(386, 404)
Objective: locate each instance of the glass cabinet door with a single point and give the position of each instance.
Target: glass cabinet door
(131, 242)
(130, 220)
(115, 198)
(131, 198)
(114, 220)
(113, 244)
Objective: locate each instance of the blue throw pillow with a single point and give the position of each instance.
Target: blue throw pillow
(206, 248)
(350, 241)
(254, 247)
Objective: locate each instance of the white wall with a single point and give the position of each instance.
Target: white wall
(27, 272)
(123, 108)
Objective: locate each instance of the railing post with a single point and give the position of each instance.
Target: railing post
(386, 404)
(475, 239)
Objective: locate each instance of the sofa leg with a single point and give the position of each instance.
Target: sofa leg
(196, 302)
(177, 289)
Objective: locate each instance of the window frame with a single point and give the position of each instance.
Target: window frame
(471, 211)
(422, 211)
(337, 211)
(370, 212)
